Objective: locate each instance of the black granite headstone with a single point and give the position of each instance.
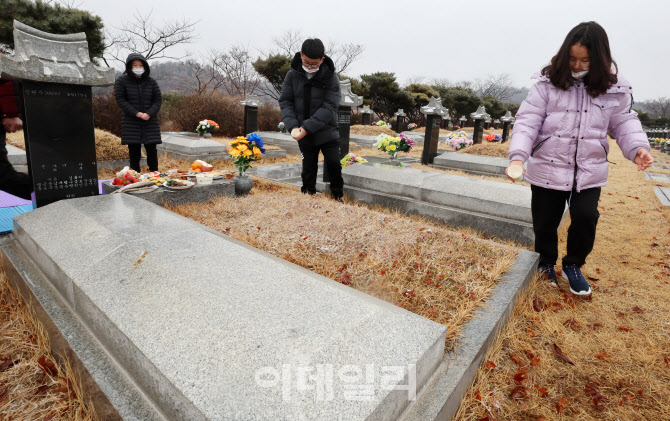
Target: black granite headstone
(60, 141)
(505, 135)
(250, 119)
(344, 126)
(366, 119)
(399, 124)
(431, 139)
(478, 131)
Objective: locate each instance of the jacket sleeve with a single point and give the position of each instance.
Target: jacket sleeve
(286, 103)
(156, 100)
(329, 106)
(120, 95)
(529, 120)
(626, 128)
(9, 99)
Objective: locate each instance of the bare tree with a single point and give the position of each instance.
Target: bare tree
(206, 80)
(289, 42)
(415, 80)
(659, 107)
(498, 86)
(141, 35)
(235, 71)
(441, 82)
(343, 55)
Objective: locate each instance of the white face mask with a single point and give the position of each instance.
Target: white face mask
(580, 75)
(138, 72)
(310, 70)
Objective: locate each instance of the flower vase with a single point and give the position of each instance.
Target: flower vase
(243, 184)
(207, 135)
(394, 156)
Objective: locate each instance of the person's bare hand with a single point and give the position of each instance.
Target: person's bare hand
(12, 125)
(643, 159)
(519, 163)
(145, 116)
(302, 134)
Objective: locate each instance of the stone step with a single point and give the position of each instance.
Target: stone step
(207, 327)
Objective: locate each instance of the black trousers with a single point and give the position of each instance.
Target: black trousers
(135, 152)
(12, 181)
(310, 162)
(547, 207)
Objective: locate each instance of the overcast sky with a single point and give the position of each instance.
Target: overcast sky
(456, 40)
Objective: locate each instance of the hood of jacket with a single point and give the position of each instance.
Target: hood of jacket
(325, 72)
(129, 64)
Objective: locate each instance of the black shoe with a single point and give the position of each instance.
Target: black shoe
(548, 272)
(578, 284)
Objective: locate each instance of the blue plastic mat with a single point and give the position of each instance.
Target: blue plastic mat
(7, 215)
(7, 200)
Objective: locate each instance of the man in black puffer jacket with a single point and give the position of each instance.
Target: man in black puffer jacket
(140, 99)
(309, 100)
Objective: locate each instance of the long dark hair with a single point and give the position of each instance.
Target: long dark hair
(600, 77)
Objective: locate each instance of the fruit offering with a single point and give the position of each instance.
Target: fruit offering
(124, 177)
(201, 166)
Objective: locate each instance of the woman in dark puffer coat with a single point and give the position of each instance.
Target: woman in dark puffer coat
(139, 97)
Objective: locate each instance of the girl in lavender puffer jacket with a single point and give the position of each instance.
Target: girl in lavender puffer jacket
(561, 132)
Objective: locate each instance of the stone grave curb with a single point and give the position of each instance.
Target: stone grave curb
(70, 341)
(652, 176)
(472, 164)
(514, 230)
(663, 194)
(442, 397)
(211, 157)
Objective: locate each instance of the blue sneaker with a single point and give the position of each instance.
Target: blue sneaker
(578, 284)
(548, 272)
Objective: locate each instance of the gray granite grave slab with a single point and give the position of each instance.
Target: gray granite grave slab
(653, 176)
(190, 147)
(663, 194)
(474, 164)
(199, 193)
(495, 208)
(17, 157)
(282, 140)
(195, 325)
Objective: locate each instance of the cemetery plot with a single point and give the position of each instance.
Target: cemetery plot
(408, 261)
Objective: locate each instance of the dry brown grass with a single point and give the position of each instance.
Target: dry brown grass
(108, 147)
(32, 385)
(413, 263)
(619, 342)
(488, 149)
(371, 130)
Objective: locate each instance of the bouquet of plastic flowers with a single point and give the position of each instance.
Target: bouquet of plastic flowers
(393, 145)
(493, 138)
(458, 140)
(282, 127)
(244, 150)
(381, 123)
(412, 126)
(351, 159)
(207, 126)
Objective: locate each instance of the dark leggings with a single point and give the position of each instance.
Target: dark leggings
(135, 151)
(547, 207)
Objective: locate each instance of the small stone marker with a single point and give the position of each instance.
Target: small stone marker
(399, 120)
(507, 120)
(478, 116)
(434, 112)
(251, 104)
(366, 115)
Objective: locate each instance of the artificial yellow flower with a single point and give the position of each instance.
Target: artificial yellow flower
(242, 147)
(234, 152)
(232, 142)
(392, 147)
(257, 151)
(246, 153)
